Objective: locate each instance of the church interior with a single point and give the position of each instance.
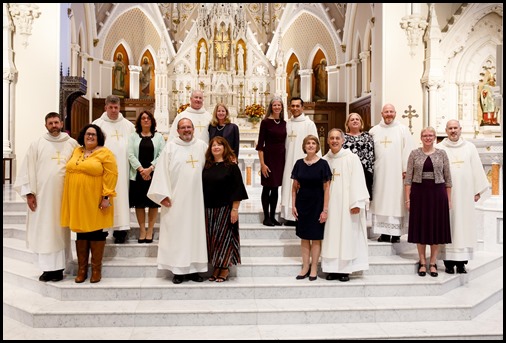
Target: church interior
(432, 61)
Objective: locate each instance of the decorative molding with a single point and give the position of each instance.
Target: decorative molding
(23, 16)
(414, 25)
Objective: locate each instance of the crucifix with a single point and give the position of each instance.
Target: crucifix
(410, 114)
(192, 161)
(457, 162)
(292, 136)
(57, 157)
(334, 173)
(117, 135)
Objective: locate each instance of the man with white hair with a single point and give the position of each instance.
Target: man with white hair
(469, 182)
(197, 114)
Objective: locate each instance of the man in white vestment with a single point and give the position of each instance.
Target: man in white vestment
(40, 183)
(197, 114)
(177, 187)
(344, 246)
(392, 145)
(117, 130)
(469, 182)
(297, 128)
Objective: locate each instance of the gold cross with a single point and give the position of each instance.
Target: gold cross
(458, 163)
(57, 157)
(334, 173)
(410, 115)
(385, 142)
(117, 135)
(192, 161)
(200, 127)
(292, 135)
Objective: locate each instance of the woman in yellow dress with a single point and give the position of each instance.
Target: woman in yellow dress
(87, 204)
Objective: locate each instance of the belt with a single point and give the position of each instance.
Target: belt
(428, 175)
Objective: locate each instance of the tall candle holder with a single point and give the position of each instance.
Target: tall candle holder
(255, 94)
(240, 113)
(266, 96)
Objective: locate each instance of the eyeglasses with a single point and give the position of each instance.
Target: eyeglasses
(427, 136)
(89, 134)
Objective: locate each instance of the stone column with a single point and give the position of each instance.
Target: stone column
(134, 81)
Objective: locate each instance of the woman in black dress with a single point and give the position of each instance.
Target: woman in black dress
(310, 198)
(271, 152)
(223, 191)
(144, 147)
(360, 143)
(428, 186)
(221, 125)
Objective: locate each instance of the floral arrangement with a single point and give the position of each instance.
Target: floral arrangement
(255, 112)
(183, 107)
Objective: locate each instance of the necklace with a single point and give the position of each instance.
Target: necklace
(310, 163)
(218, 127)
(277, 121)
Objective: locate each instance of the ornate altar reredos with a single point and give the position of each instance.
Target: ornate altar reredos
(223, 59)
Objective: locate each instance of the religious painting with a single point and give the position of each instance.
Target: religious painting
(487, 109)
(120, 75)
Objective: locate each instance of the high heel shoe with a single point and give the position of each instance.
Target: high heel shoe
(302, 277)
(433, 274)
(148, 240)
(313, 278)
(420, 265)
(141, 241)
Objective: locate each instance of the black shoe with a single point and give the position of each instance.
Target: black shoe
(120, 236)
(449, 270)
(302, 277)
(461, 269)
(44, 277)
(384, 238)
(332, 276)
(177, 279)
(396, 239)
(344, 277)
(268, 222)
(433, 274)
(148, 240)
(141, 241)
(275, 222)
(195, 277)
(420, 265)
(313, 278)
(290, 223)
(56, 275)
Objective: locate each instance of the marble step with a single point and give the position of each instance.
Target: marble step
(461, 303)
(15, 216)
(137, 260)
(25, 275)
(485, 326)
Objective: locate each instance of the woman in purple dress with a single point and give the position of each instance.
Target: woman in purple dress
(428, 186)
(271, 152)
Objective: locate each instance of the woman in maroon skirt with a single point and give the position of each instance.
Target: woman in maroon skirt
(428, 190)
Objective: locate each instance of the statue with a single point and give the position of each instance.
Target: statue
(145, 78)
(119, 74)
(294, 81)
(320, 74)
(240, 58)
(203, 56)
(487, 101)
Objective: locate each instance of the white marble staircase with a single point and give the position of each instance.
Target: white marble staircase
(261, 300)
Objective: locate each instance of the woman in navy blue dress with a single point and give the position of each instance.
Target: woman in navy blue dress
(310, 196)
(222, 126)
